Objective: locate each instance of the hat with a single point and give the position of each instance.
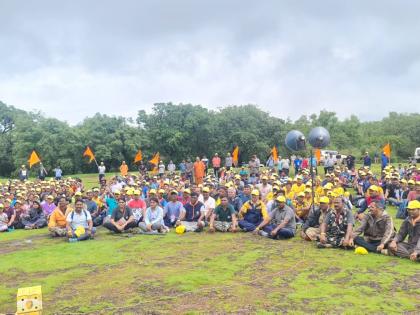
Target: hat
(374, 188)
(415, 204)
(324, 199)
(308, 190)
(255, 192)
(361, 251)
(78, 193)
(264, 177)
(1, 206)
(281, 199)
(328, 186)
(299, 177)
(301, 194)
(80, 230)
(174, 192)
(137, 192)
(411, 182)
(117, 192)
(206, 189)
(275, 187)
(152, 191)
(161, 191)
(187, 191)
(50, 197)
(180, 229)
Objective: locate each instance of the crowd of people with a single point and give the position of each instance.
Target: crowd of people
(343, 208)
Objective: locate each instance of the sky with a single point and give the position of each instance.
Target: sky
(71, 59)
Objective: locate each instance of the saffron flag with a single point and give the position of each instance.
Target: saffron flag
(155, 159)
(33, 159)
(387, 150)
(318, 154)
(235, 156)
(89, 153)
(275, 154)
(138, 157)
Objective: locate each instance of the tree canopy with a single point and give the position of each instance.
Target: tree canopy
(180, 131)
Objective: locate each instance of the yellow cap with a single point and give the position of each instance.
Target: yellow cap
(411, 182)
(206, 189)
(324, 199)
(374, 188)
(187, 191)
(301, 194)
(328, 186)
(255, 192)
(415, 204)
(281, 199)
(361, 251)
(161, 191)
(308, 190)
(152, 191)
(50, 197)
(78, 193)
(137, 192)
(1, 206)
(117, 192)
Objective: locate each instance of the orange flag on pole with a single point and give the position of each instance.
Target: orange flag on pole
(33, 159)
(387, 150)
(275, 154)
(89, 153)
(318, 154)
(235, 156)
(138, 157)
(155, 159)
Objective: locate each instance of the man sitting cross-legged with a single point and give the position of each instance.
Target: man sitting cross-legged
(311, 227)
(377, 229)
(79, 223)
(280, 224)
(223, 218)
(122, 218)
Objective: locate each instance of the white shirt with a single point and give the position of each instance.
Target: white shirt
(208, 204)
(79, 219)
(102, 169)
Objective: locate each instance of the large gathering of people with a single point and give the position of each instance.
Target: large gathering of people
(343, 208)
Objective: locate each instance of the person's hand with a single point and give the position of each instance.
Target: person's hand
(351, 242)
(322, 239)
(89, 232)
(303, 235)
(393, 245)
(255, 232)
(413, 256)
(380, 247)
(211, 229)
(149, 227)
(274, 232)
(233, 229)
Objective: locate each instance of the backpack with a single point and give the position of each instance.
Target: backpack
(72, 215)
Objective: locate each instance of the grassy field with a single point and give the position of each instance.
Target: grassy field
(202, 273)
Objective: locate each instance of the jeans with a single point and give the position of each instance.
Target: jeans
(282, 233)
(247, 226)
(370, 246)
(113, 228)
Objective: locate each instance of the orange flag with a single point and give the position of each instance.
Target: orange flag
(235, 156)
(387, 150)
(89, 153)
(138, 157)
(275, 154)
(318, 154)
(33, 159)
(155, 159)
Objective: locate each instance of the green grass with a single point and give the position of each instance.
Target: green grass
(202, 273)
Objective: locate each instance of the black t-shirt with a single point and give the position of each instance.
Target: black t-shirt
(117, 214)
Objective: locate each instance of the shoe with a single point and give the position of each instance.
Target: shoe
(262, 233)
(73, 240)
(198, 230)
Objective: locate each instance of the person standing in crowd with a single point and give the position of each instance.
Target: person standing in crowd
(171, 168)
(384, 161)
(124, 169)
(58, 173)
(216, 163)
(205, 160)
(23, 173)
(367, 161)
(101, 170)
(42, 173)
(228, 161)
(199, 169)
(297, 164)
(189, 170)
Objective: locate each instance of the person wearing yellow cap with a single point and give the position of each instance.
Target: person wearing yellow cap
(280, 224)
(264, 187)
(48, 205)
(301, 206)
(298, 187)
(137, 205)
(311, 228)
(373, 196)
(252, 213)
(415, 193)
(337, 228)
(409, 228)
(377, 228)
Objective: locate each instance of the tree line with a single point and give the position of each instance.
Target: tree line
(180, 131)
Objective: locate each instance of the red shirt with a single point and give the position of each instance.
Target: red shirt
(216, 161)
(137, 204)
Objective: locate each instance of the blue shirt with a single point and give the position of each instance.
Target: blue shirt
(112, 204)
(173, 209)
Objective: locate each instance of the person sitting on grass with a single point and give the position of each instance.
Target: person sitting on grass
(35, 219)
(153, 219)
(311, 227)
(374, 195)
(377, 228)
(193, 218)
(337, 228)
(122, 218)
(3, 219)
(252, 213)
(223, 218)
(173, 210)
(411, 228)
(79, 223)
(57, 222)
(281, 223)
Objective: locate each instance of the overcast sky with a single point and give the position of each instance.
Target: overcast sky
(71, 59)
